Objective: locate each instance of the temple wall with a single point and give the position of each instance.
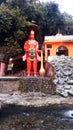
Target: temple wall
(56, 45)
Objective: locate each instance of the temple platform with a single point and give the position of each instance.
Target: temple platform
(9, 84)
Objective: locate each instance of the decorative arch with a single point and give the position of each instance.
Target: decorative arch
(62, 50)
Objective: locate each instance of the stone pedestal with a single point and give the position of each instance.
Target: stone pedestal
(40, 84)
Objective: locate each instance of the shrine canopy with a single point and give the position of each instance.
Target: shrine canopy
(58, 38)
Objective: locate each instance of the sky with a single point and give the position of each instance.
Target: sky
(64, 5)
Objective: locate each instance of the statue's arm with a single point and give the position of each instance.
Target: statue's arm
(26, 46)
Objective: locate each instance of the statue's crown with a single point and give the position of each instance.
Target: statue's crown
(31, 32)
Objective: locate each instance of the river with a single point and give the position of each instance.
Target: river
(45, 118)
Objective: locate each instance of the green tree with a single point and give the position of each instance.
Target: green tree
(5, 22)
(53, 19)
(12, 29)
(16, 16)
(68, 29)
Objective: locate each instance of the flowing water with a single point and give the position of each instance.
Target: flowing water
(20, 118)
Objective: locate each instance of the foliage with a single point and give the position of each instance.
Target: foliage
(12, 27)
(16, 17)
(53, 19)
(68, 24)
(10, 50)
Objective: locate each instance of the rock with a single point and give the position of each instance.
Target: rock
(64, 93)
(70, 82)
(67, 87)
(64, 74)
(67, 72)
(70, 92)
(61, 80)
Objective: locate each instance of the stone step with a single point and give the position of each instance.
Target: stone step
(27, 84)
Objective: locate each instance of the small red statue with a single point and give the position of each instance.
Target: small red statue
(31, 49)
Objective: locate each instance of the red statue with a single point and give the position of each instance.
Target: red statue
(31, 49)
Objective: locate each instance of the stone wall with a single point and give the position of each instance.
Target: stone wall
(64, 74)
(25, 84)
(44, 85)
(8, 84)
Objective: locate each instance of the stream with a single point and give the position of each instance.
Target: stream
(45, 118)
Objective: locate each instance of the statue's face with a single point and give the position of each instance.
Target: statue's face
(31, 36)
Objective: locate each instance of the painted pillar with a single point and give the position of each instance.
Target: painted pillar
(45, 52)
(2, 68)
